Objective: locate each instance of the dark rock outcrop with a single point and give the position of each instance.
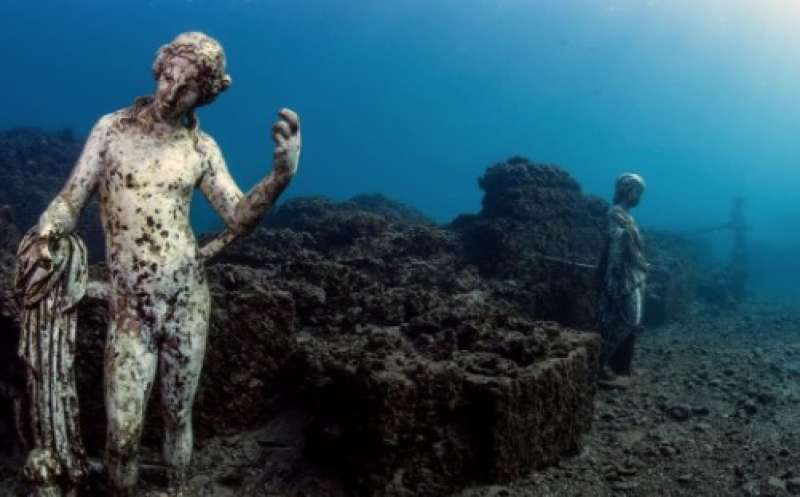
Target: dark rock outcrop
(414, 379)
(390, 209)
(9, 238)
(405, 414)
(417, 380)
(10, 366)
(540, 238)
(537, 230)
(34, 165)
(416, 356)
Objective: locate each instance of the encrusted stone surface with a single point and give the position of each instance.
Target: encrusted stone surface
(533, 214)
(539, 236)
(483, 400)
(11, 380)
(412, 364)
(9, 237)
(411, 377)
(417, 380)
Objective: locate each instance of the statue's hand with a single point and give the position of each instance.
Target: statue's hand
(286, 133)
(44, 256)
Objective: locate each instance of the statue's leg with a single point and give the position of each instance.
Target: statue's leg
(621, 357)
(621, 361)
(130, 368)
(180, 364)
(612, 329)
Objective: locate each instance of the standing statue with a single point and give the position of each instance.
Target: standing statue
(145, 162)
(622, 273)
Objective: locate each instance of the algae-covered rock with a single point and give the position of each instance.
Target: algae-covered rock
(415, 377)
(428, 411)
(11, 380)
(34, 165)
(414, 357)
(538, 237)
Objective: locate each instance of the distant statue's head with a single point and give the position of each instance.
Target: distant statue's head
(190, 71)
(629, 190)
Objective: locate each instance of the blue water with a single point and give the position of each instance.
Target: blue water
(415, 98)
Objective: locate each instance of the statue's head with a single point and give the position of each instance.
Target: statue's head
(629, 190)
(190, 71)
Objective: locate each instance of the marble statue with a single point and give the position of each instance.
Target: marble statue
(144, 162)
(623, 275)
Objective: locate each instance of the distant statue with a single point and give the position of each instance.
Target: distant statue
(145, 162)
(622, 274)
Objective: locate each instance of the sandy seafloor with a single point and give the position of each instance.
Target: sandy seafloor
(712, 410)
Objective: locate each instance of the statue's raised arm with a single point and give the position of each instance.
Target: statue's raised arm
(242, 213)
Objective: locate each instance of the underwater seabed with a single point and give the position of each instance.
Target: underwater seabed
(711, 411)
(356, 348)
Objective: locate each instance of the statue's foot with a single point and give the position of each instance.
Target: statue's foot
(177, 491)
(47, 491)
(176, 486)
(617, 381)
(127, 492)
(155, 493)
(606, 374)
(170, 491)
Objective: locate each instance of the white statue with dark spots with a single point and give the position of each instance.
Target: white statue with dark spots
(145, 162)
(623, 274)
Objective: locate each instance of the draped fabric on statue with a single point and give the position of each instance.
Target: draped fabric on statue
(48, 294)
(622, 274)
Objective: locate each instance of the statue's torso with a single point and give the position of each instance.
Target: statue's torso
(627, 266)
(145, 191)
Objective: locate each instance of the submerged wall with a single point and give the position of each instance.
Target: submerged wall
(541, 236)
(420, 358)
